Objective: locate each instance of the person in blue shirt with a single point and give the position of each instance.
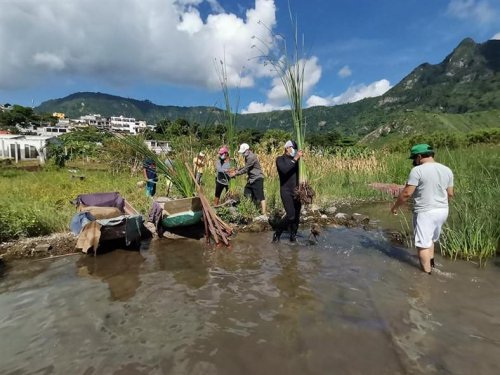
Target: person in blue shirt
(151, 177)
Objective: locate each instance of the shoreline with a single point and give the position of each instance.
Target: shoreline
(63, 243)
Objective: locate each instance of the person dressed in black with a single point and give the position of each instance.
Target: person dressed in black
(288, 171)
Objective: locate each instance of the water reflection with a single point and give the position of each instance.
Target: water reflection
(398, 253)
(119, 269)
(351, 304)
(185, 260)
(294, 292)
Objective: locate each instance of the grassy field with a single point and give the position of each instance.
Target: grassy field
(38, 202)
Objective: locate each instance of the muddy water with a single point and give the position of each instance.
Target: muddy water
(351, 304)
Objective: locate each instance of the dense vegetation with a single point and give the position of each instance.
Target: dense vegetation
(22, 117)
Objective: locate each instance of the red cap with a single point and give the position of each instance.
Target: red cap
(223, 150)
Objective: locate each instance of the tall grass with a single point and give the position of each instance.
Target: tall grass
(473, 228)
(38, 203)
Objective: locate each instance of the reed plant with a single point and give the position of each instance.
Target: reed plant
(174, 170)
(290, 68)
(230, 110)
(472, 231)
(230, 114)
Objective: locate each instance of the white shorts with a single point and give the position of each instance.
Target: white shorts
(427, 226)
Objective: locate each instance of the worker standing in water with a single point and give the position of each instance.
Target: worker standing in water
(288, 171)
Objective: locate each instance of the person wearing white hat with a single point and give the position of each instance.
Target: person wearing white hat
(198, 165)
(288, 171)
(254, 188)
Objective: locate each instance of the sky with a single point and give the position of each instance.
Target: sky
(170, 51)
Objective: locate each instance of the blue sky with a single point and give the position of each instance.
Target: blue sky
(165, 50)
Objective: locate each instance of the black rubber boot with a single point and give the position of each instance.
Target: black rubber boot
(279, 227)
(277, 236)
(293, 232)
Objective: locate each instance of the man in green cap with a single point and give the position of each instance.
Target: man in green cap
(431, 185)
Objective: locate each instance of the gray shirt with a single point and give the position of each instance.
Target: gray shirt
(222, 167)
(431, 181)
(252, 167)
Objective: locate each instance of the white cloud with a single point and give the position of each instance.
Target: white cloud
(352, 94)
(277, 97)
(256, 107)
(496, 36)
(49, 60)
(312, 75)
(479, 11)
(215, 6)
(345, 72)
(161, 41)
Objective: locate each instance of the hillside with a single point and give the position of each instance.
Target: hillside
(460, 93)
(82, 103)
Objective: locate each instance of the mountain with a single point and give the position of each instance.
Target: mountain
(82, 103)
(459, 94)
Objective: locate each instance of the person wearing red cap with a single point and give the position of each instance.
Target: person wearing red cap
(431, 186)
(222, 166)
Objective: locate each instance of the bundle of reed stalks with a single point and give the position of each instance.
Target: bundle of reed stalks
(215, 227)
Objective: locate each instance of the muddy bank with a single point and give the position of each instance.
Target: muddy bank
(58, 244)
(38, 247)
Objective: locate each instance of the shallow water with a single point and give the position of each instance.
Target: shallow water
(351, 304)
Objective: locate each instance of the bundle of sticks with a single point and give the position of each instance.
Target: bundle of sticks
(215, 227)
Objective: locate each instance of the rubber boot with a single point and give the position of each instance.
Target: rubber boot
(279, 229)
(294, 227)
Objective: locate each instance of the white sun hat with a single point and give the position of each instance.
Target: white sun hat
(243, 147)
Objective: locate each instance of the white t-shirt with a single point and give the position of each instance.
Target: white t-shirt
(431, 181)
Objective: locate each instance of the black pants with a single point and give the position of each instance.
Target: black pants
(292, 209)
(255, 190)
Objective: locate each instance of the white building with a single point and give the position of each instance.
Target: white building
(52, 131)
(159, 147)
(95, 120)
(23, 147)
(127, 125)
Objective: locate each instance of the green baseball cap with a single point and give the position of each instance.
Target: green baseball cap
(421, 148)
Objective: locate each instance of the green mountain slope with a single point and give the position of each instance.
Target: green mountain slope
(460, 93)
(82, 103)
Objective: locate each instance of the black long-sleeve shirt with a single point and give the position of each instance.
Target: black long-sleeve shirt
(288, 171)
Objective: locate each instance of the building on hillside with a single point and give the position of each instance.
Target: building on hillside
(95, 120)
(5, 107)
(59, 115)
(159, 147)
(129, 125)
(20, 147)
(52, 131)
